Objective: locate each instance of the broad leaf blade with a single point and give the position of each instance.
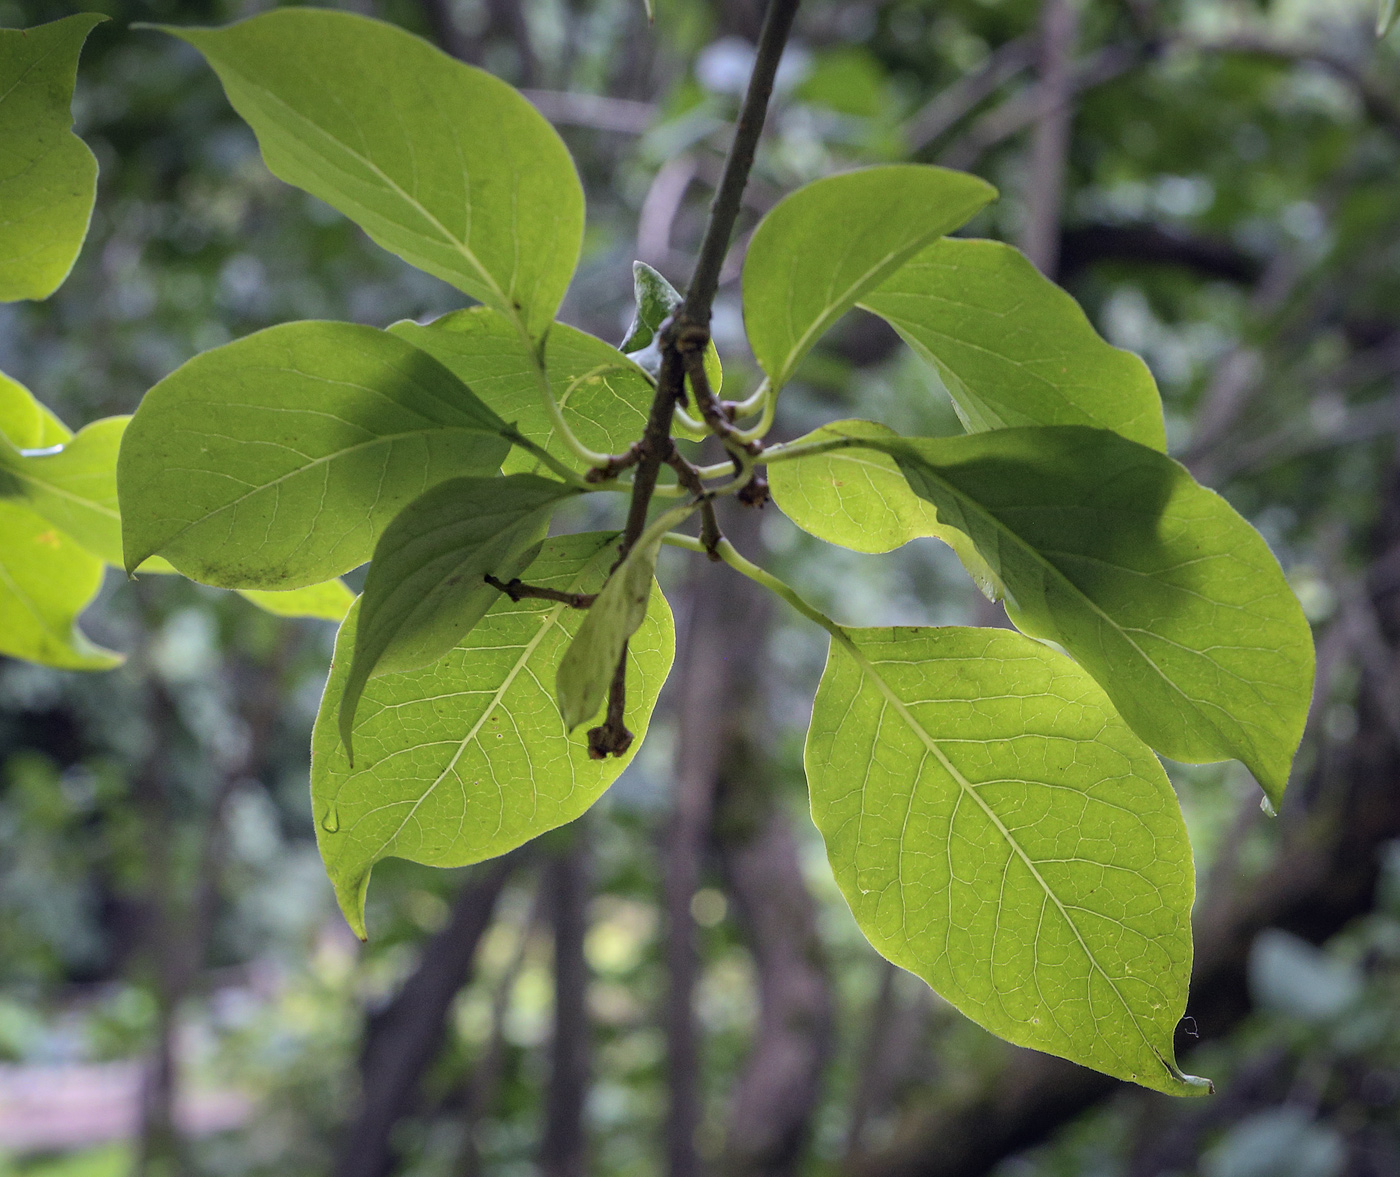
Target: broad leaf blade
(1152, 582)
(73, 485)
(604, 396)
(46, 580)
(1012, 348)
(48, 177)
(587, 668)
(277, 461)
(438, 162)
(468, 758)
(426, 587)
(998, 830)
(859, 499)
(328, 601)
(822, 248)
(24, 422)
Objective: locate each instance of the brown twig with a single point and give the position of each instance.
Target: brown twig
(611, 737)
(516, 590)
(689, 477)
(616, 464)
(692, 323)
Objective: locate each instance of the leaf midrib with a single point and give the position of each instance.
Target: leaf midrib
(928, 471)
(546, 626)
(450, 238)
(869, 669)
(382, 439)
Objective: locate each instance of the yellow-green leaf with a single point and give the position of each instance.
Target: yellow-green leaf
(467, 758)
(998, 830)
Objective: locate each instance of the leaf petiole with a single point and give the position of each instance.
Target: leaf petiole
(730, 555)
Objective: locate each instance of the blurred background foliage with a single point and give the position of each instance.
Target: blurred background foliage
(177, 991)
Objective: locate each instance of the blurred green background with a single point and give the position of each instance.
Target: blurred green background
(177, 991)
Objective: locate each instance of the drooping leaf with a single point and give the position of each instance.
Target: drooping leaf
(73, 485)
(656, 300)
(1385, 17)
(1011, 347)
(437, 161)
(24, 422)
(999, 831)
(48, 177)
(46, 580)
(277, 461)
(328, 601)
(1155, 584)
(822, 248)
(468, 758)
(604, 396)
(426, 587)
(587, 668)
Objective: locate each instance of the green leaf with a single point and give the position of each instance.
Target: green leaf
(48, 177)
(1152, 582)
(277, 461)
(426, 587)
(605, 398)
(46, 580)
(587, 668)
(73, 485)
(859, 499)
(1011, 347)
(438, 162)
(328, 601)
(24, 422)
(657, 299)
(468, 758)
(824, 246)
(998, 830)
(1385, 17)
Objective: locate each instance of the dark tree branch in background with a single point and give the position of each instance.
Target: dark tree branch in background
(624, 116)
(868, 1094)
(1045, 189)
(1139, 244)
(177, 934)
(776, 1095)
(725, 623)
(950, 106)
(563, 1151)
(159, 1148)
(444, 30)
(483, 1084)
(1336, 824)
(402, 1040)
(1022, 110)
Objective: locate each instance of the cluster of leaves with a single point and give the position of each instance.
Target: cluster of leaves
(992, 805)
(59, 522)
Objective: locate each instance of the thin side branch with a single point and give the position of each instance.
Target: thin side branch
(517, 590)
